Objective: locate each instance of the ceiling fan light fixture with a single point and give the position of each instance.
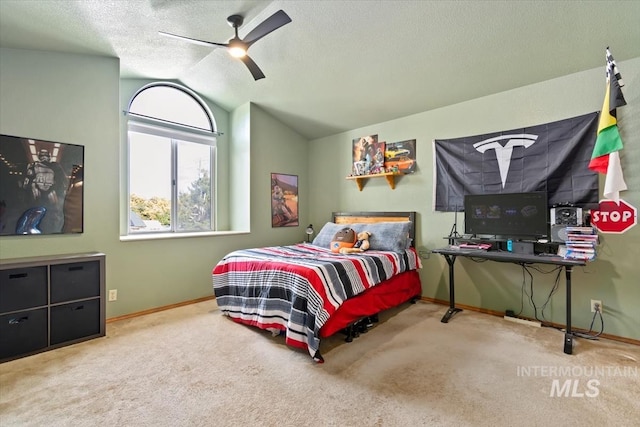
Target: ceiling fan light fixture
(237, 52)
(237, 49)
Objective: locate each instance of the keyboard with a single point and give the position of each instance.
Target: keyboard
(482, 246)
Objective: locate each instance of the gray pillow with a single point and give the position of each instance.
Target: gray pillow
(324, 237)
(386, 236)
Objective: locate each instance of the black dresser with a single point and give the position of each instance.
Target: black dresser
(49, 302)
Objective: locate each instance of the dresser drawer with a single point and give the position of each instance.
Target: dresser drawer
(75, 281)
(22, 288)
(75, 320)
(23, 332)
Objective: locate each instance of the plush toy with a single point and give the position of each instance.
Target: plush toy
(344, 238)
(361, 245)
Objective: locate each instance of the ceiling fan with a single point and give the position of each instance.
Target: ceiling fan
(238, 47)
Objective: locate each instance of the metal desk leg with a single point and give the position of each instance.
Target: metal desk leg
(568, 336)
(451, 259)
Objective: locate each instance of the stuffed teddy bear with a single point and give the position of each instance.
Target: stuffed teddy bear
(361, 245)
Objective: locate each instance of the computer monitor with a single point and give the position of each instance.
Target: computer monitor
(507, 215)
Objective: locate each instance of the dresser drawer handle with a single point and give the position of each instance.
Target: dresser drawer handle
(76, 268)
(18, 275)
(79, 307)
(17, 320)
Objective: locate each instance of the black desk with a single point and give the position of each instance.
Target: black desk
(451, 254)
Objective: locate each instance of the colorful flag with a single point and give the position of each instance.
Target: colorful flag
(605, 158)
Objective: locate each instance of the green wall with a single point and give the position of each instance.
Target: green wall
(613, 278)
(79, 99)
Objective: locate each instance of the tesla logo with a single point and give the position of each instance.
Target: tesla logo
(503, 152)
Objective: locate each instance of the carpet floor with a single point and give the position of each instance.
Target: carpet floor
(191, 366)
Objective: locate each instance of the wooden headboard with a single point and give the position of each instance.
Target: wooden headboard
(372, 217)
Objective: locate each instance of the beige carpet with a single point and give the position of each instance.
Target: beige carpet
(190, 366)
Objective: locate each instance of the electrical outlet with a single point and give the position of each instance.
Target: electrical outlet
(595, 302)
(113, 294)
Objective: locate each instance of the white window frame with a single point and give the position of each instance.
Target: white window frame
(174, 131)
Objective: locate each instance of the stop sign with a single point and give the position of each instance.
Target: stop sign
(614, 218)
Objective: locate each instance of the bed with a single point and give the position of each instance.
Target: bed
(306, 292)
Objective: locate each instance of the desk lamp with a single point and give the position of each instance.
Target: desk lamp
(309, 232)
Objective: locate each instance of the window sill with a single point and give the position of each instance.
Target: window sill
(161, 236)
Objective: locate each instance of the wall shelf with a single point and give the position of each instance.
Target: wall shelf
(390, 176)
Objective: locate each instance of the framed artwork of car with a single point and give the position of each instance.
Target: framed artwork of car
(401, 155)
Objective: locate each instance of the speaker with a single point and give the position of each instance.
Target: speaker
(559, 233)
(566, 215)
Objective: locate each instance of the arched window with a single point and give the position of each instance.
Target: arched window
(171, 146)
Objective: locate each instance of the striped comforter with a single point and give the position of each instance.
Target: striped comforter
(295, 289)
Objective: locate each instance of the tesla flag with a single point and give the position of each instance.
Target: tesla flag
(552, 157)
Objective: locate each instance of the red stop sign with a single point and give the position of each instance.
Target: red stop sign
(614, 218)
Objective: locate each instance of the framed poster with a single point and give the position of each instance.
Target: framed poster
(41, 187)
(284, 200)
(368, 155)
(401, 156)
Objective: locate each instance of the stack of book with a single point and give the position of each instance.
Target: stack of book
(581, 243)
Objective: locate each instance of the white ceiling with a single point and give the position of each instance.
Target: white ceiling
(338, 65)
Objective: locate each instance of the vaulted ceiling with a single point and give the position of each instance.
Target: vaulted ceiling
(338, 65)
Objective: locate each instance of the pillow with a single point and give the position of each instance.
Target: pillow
(386, 236)
(324, 237)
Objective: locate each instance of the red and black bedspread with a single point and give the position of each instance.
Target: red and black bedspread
(295, 289)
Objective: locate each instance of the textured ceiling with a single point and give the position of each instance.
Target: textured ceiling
(338, 65)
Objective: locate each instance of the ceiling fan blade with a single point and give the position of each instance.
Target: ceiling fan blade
(256, 72)
(196, 41)
(270, 24)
